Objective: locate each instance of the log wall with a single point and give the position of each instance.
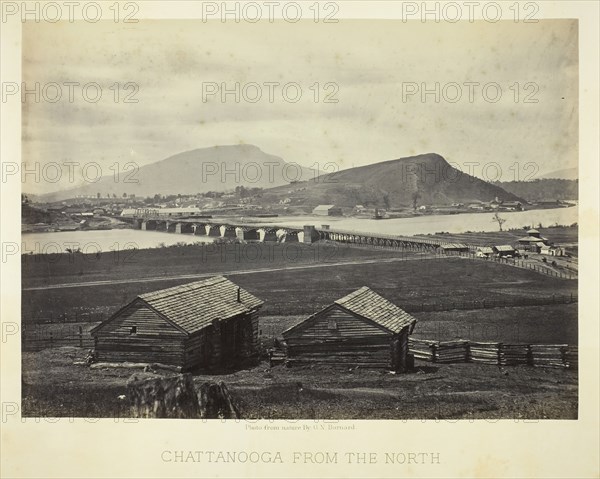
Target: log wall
(155, 340)
(336, 337)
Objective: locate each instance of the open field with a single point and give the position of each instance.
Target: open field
(40, 269)
(54, 386)
(412, 280)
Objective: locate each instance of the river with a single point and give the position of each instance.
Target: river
(460, 223)
(92, 241)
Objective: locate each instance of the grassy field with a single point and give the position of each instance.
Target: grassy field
(410, 279)
(54, 386)
(39, 270)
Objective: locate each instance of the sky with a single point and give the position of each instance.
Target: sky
(368, 66)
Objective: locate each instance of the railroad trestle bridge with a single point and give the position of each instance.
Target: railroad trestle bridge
(272, 232)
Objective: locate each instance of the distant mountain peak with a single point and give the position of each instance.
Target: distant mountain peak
(215, 168)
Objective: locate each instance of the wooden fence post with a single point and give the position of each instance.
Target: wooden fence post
(529, 355)
(80, 337)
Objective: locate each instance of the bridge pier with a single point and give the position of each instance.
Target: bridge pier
(149, 225)
(183, 228)
(227, 231)
(311, 234)
(212, 230)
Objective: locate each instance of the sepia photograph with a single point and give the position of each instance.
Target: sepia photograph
(296, 216)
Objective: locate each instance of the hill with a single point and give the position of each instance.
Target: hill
(219, 168)
(564, 174)
(543, 189)
(426, 179)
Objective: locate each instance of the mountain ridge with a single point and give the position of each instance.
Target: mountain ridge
(200, 170)
(424, 179)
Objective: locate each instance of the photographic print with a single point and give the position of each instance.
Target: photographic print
(290, 217)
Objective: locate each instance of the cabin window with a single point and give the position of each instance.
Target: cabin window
(133, 330)
(332, 324)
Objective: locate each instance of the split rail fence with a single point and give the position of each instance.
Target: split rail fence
(37, 340)
(499, 354)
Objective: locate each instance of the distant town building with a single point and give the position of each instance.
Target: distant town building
(327, 210)
(505, 250)
(206, 323)
(533, 242)
(454, 248)
(128, 212)
(552, 250)
(484, 252)
(475, 206)
(360, 329)
(141, 212)
(512, 205)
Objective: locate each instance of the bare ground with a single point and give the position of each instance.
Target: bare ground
(54, 386)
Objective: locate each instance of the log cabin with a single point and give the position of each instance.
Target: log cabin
(209, 323)
(360, 329)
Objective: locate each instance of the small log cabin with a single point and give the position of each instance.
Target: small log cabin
(209, 323)
(360, 329)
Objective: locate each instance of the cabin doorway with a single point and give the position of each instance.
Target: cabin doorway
(232, 342)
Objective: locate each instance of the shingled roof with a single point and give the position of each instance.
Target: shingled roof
(531, 239)
(504, 247)
(367, 303)
(193, 306)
